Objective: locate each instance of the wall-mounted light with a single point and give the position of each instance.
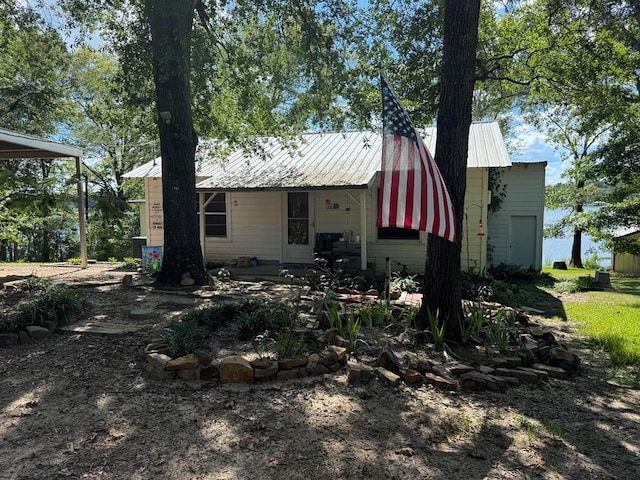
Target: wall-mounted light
(166, 116)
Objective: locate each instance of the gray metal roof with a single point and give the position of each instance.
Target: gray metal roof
(20, 145)
(324, 160)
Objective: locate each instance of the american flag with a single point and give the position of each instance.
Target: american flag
(412, 191)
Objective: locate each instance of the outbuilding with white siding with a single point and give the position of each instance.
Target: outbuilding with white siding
(287, 202)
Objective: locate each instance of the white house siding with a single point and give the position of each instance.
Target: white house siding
(343, 219)
(524, 197)
(412, 253)
(254, 228)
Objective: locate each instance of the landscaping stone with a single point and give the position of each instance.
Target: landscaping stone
(441, 370)
(358, 372)
(210, 371)
(38, 333)
(387, 376)
(410, 376)
(156, 364)
(341, 352)
(204, 358)
(24, 338)
(510, 381)
(559, 357)
(335, 367)
(440, 382)
(299, 372)
(486, 370)
(318, 369)
(542, 375)
(190, 374)
(478, 381)
(236, 369)
(263, 372)
(186, 362)
(411, 360)
(457, 370)
(186, 280)
(522, 375)
(328, 358)
(289, 363)
(388, 360)
(142, 313)
(553, 372)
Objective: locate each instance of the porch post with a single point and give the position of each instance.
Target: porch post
(81, 217)
(201, 220)
(363, 229)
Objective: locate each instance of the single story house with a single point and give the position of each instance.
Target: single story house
(626, 262)
(287, 203)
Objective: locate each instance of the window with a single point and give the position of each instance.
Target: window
(392, 233)
(298, 218)
(215, 215)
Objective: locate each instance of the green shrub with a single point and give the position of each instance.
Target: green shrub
(511, 272)
(257, 315)
(112, 260)
(502, 330)
(405, 282)
(75, 261)
(130, 262)
(289, 344)
(183, 337)
(565, 286)
(57, 305)
(32, 282)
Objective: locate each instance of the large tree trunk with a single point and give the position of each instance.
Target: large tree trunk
(442, 267)
(171, 25)
(576, 248)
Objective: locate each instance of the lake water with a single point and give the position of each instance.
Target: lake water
(559, 249)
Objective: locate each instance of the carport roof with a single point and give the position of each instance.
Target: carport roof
(20, 145)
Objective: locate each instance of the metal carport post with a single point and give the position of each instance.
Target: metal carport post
(18, 145)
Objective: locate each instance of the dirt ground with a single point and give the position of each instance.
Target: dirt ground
(80, 406)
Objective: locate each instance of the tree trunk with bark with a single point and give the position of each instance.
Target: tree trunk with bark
(171, 25)
(442, 268)
(576, 247)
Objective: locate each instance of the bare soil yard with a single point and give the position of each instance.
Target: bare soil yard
(80, 406)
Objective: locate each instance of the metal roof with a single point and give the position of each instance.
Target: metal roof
(324, 160)
(20, 145)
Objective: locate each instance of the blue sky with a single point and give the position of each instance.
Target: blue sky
(532, 147)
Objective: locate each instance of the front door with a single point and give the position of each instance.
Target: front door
(298, 226)
(522, 242)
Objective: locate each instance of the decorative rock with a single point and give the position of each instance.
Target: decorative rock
(262, 363)
(204, 358)
(263, 372)
(23, 338)
(559, 357)
(387, 376)
(486, 370)
(186, 280)
(522, 375)
(457, 370)
(372, 292)
(211, 371)
(291, 374)
(328, 358)
(553, 372)
(527, 357)
(189, 374)
(38, 333)
(289, 363)
(441, 370)
(335, 367)
(411, 360)
(513, 362)
(236, 369)
(441, 382)
(359, 372)
(312, 361)
(127, 280)
(318, 369)
(156, 364)
(478, 381)
(501, 381)
(511, 381)
(537, 332)
(142, 313)
(339, 351)
(410, 376)
(425, 366)
(388, 360)
(542, 375)
(186, 362)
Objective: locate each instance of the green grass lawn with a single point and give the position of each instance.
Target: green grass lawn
(610, 317)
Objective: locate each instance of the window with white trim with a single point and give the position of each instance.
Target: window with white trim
(215, 215)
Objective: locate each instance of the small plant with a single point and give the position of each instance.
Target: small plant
(335, 318)
(471, 324)
(411, 314)
(437, 329)
(182, 338)
(112, 260)
(502, 330)
(32, 282)
(585, 283)
(130, 262)
(526, 425)
(257, 315)
(377, 315)
(405, 282)
(75, 261)
(263, 344)
(554, 429)
(566, 286)
(289, 344)
(353, 328)
(57, 305)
